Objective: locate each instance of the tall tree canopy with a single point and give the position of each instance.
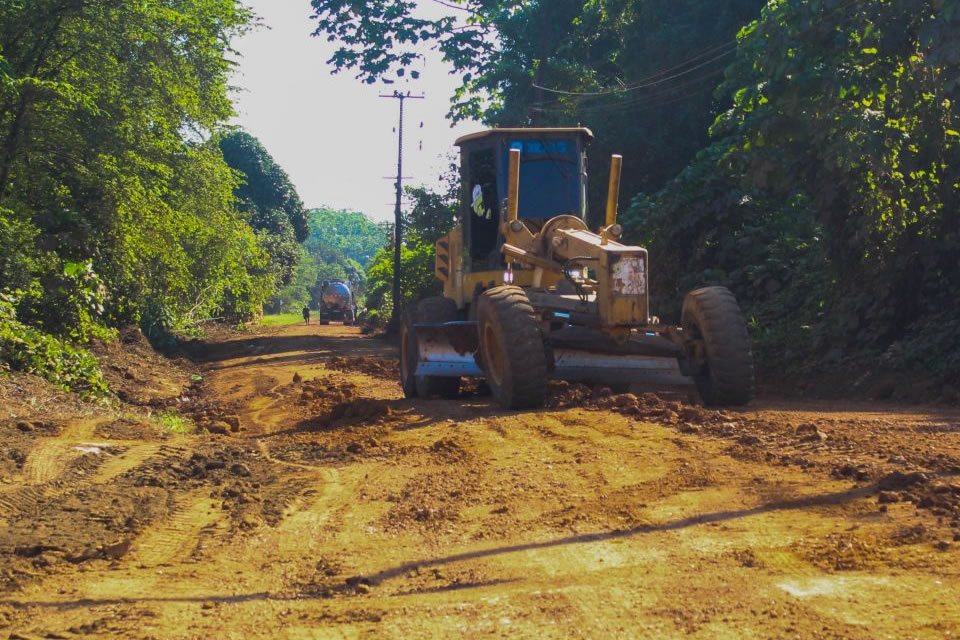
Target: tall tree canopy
(266, 186)
(340, 246)
(831, 195)
(640, 73)
(270, 201)
(114, 205)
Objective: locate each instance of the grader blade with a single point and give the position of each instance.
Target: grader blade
(447, 350)
(602, 368)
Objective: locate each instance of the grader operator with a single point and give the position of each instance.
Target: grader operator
(530, 293)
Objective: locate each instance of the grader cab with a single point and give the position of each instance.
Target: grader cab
(530, 293)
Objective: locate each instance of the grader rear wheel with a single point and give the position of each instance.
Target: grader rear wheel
(511, 348)
(718, 346)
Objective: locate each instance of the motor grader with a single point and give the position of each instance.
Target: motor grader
(530, 293)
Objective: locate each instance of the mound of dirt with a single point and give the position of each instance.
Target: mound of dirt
(136, 372)
(564, 395)
(336, 404)
(203, 409)
(28, 397)
(386, 368)
(130, 429)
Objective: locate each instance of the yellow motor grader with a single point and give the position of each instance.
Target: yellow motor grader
(530, 293)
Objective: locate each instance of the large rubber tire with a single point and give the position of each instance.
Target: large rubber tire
(429, 310)
(718, 347)
(511, 348)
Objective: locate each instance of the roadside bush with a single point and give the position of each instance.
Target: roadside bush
(26, 349)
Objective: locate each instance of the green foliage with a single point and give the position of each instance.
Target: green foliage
(417, 278)
(339, 244)
(350, 233)
(269, 200)
(433, 215)
(17, 253)
(639, 73)
(826, 191)
(23, 348)
(829, 199)
(280, 319)
(266, 188)
(174, 423)
(117, 205)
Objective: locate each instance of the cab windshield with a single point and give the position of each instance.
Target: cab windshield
(550, 177)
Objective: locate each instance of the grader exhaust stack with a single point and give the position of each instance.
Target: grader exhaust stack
(530, 293)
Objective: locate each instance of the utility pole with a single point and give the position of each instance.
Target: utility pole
(397, 214)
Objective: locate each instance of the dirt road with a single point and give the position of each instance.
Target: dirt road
(329, 507)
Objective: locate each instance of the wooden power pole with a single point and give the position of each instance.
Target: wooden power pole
(397, 213)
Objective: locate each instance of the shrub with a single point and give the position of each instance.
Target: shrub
(23, 348)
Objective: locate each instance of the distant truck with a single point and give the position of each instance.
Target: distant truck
(336, 302)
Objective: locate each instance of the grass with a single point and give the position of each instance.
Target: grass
(281, 318)
(174, 424)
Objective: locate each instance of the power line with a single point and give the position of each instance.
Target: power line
(618, 106)
(651, 80)
(641, 85)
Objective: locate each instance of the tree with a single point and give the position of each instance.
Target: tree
(266, 187)
(829, 198)
(640, 73)
(338, 247)
(269, 200)
(106, 109)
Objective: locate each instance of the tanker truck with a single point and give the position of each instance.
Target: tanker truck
(336, 302)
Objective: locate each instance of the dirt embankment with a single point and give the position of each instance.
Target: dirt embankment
(315, 501)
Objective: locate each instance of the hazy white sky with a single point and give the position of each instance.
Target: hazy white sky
(331, 133)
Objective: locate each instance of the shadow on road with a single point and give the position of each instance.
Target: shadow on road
(828, 499)
(315, 345)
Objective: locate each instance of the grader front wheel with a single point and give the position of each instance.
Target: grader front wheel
(511, 348)
(718, 347)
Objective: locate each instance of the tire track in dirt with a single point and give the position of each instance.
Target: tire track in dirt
(50, 456)
(194, 521)
(130, 459)
(68, 462)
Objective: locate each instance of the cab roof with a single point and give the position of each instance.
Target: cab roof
(584, 133)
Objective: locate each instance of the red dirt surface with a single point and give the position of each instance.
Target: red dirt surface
(316, 502)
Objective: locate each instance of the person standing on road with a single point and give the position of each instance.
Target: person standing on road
(306, 315)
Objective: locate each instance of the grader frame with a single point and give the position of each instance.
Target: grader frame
(530, 293)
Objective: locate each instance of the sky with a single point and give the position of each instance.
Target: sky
(332, 134)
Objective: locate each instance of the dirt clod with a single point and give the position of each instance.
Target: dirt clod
(220, 428)
(240, 469)
(900, 480)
